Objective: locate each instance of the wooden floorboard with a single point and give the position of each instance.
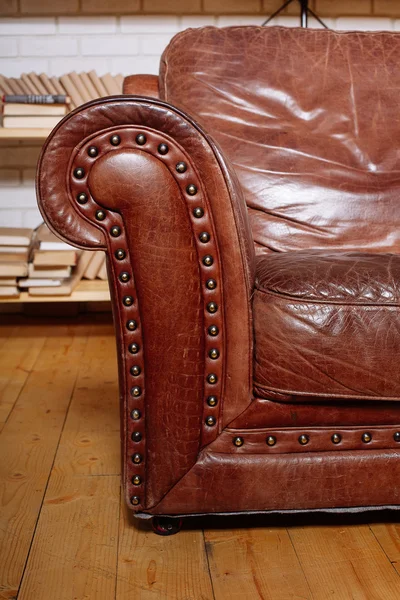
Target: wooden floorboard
(65, 533)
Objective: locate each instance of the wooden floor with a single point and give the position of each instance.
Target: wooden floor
(65, 533)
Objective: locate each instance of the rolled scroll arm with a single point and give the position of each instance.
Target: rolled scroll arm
(139, 179)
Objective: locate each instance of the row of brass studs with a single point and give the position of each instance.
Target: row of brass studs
(303, 439)
(120, 254)
(127, 300)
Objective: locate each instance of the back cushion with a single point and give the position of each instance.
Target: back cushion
(311, 122)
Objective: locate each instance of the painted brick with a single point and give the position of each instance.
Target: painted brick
(364, 24)
(8, 46)
(18, 197)
(390, 8)
(13, 67)
(333, 8)
(154, 44)
(10, 218)
(110, 6)
(28, 176)
(87, 25)
(9, 177)
(27, 26)
(31, 218)
(232, 6)
(172, 6)
(101, 45)
(197, 21)
(19, 156)
(8, 7)
(138, 64)
(59, 66)
(48, 46)
(149, 24)
(49, 7)
(229, 20)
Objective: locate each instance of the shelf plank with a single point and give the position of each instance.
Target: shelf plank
(85, 291)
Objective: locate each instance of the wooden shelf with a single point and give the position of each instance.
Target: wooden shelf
(22, 134)
(85, 291)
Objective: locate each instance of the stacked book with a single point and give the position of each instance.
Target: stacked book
(39, 263)
(39, 101)
(15, 246)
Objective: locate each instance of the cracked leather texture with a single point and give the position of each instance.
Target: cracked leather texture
(309, 120)
(327, 325)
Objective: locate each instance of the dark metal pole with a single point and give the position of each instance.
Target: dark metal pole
(304, 13)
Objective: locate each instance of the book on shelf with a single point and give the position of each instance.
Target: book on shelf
(9, 291)
(13, 269)
(12, 256)
(102, 273)
(67, 285)
(14, 249)
(28, 122)
(33, 282)
(8, 281)
(34, 110)
(46, 100)
(94, 265)
(48, 272)
(55, 258)
(15, 236)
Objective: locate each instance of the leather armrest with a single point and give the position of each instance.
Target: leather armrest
(139, 179)
(141, 85)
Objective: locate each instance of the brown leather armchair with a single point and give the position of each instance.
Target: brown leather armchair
(258, 348)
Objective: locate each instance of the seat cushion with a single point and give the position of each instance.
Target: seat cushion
(327, 326)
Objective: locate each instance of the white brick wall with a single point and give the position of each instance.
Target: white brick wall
(127, 44)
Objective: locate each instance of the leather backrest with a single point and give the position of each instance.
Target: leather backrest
(311, 122)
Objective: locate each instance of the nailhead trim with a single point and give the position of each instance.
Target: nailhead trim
(180, 167)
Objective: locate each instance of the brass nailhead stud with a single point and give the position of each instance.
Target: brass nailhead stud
(204, 237)
(304, 439)
(191, 190)
(136, 391)
(181, 167)
(92, 151)
(79, 173)
(396, 436)
(163, 148)
(366, 437)
(120, 254)
(135, 370)
(137, 458)
(82, 198)
(213, 330)
(271, 440)
(135, 414)
(136, 480)
(136, 436)
(208, 260)
(212, 307)
(100, 215)
(141, 139)
(238, 441)
(135, 500)
(198, 212)
(128, 300)
(133, 348)
(336, 438)
(210, 421)
(124, 277)
(131, 325)
(212, 400)
(211, 284)
(115, 140)
(214, 353)
(115, 231)
(212, 378)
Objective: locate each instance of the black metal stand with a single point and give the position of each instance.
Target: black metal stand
(305, 10)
